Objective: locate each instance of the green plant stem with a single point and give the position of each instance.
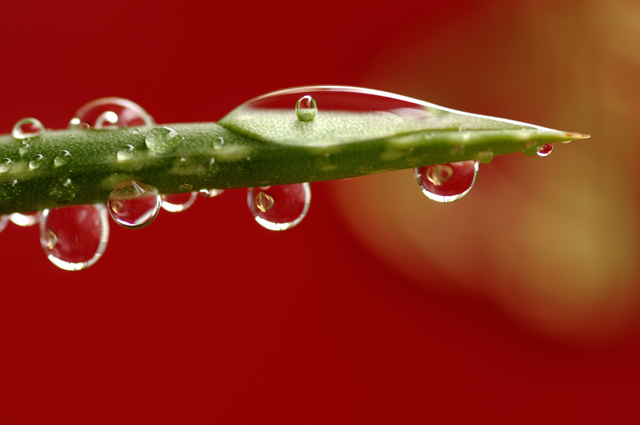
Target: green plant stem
(211, 156)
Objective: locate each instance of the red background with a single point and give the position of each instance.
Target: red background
(204, 316)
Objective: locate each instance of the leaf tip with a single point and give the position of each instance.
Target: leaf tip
(575, 136)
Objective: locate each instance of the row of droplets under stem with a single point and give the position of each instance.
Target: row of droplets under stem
(75, 237)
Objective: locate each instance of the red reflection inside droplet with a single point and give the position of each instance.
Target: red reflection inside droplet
(73, 233)
(447, 180)
(288, 203)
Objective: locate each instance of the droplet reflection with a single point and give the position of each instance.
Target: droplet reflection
(306, 108)
(133, 204)
(545, 150)
(279, 207)
(447, 182)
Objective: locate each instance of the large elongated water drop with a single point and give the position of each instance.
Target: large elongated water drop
(447, 182)
(74, 238)
(133, 204)
(279, 207)
(286, 116)
(110, 113)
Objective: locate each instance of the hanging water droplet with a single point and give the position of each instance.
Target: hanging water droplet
(380, 114)
(484, 157)
(133, 204)
(5, 165)
(74, 238)
(62, 190)
(447, 182)
(9, 190)
(125, 153)
(25, 220)
(27, 128)
(109, 113)
(63, 158)
(163, 140)
(4, 220)
(279, 207)
(211, 193)
(37, 162)
(544, 150)
(306, 108)
(178, 202)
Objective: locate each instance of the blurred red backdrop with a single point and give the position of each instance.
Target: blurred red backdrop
(204, 316)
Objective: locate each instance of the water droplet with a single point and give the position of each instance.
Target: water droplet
(76, 124)
(211, 193)
(133, 204)
(178, 202)
(9, 190)
(447, 182)
(125, 153)
(545, 150)
(5, 165)
(279, 207)
(4, 220)
(63, 158)
(25, 220)
(62, 190)
(27, 128)
(306, 108)
(484, 157)
(163, 140)
(110, 113)
(25, 149)
(185, 187)
(218, 143)
(74, 238)
(37, 162)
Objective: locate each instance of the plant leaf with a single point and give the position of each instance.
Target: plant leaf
(253, 147)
